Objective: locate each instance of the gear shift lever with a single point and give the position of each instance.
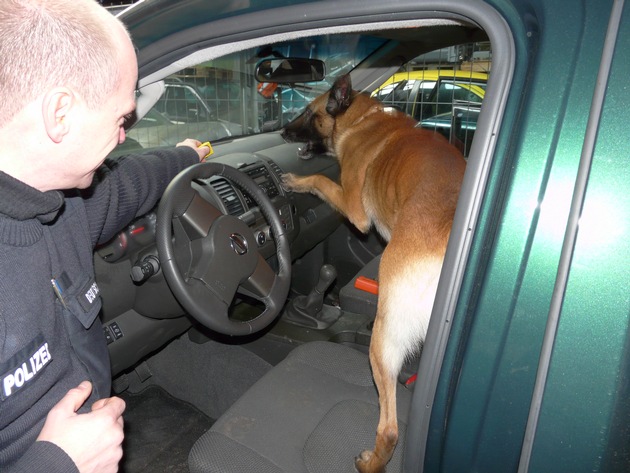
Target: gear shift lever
(313, 303)
(310, 310)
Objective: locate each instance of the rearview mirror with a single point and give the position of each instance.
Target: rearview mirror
(290, 70)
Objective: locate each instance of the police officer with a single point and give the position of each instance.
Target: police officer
(67, 79)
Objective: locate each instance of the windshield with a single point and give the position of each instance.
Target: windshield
(221, 99)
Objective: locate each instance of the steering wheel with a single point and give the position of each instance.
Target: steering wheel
(208, 257)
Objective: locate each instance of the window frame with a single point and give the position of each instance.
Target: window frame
(304, 20)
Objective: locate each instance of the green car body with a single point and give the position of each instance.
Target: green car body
(537, 360)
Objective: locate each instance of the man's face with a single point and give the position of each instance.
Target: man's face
(102, 127)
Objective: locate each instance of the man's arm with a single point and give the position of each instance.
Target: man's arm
(128, 187)
(44, 456)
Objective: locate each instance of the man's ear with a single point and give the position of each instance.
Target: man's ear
(56, 111)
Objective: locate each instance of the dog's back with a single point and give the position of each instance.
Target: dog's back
(400, 168)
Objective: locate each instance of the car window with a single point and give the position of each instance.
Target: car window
(449, 92)
(405, 94)
(221, 98)
(184, 103)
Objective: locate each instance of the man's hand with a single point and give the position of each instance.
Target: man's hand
(195, 144)
(93, 440)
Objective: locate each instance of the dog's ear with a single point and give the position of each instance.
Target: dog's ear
(340, 96)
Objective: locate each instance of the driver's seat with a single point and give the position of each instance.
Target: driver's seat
(313, 412)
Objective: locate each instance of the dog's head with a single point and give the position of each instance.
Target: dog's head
(316, 125)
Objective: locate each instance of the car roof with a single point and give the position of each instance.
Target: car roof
(164, 31)
(435, 74)
(154, 20)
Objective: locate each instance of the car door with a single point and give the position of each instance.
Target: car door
(584, 414)
(534, 374)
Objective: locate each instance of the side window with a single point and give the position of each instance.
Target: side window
(448, 93)
(442, 90)
(402, 94)
(183, 103)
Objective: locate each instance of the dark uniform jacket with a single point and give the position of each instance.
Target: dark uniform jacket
(50, 336)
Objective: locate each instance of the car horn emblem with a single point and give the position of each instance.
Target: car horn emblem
(238, 243)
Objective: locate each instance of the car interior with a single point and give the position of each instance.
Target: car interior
(263, 366)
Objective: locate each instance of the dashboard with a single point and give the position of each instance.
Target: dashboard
(140, 315)
(228, 198)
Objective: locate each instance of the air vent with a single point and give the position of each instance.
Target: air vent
(276, 169)
(228, 195)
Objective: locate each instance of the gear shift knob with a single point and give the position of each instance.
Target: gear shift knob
(310, 310)
(327, 275)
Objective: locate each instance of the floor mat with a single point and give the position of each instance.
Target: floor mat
(159, 432)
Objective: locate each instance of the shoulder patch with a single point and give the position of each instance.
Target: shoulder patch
(24, 366)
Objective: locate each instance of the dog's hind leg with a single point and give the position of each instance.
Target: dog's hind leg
(406, 294)
(374, 461)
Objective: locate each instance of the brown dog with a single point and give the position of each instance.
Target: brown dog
(405, 181)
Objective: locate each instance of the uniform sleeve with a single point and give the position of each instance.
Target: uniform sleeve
(130, 186)
(43, 456)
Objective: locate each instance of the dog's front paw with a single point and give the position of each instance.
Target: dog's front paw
(291, 182)
(287, 181)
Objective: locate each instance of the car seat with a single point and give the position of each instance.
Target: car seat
(313, 412)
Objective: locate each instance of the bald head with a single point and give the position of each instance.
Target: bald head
(51, 43)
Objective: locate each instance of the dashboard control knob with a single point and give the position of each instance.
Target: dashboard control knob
(261, 239)
(144, 269)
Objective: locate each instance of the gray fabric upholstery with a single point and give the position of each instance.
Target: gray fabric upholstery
(313, 412)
